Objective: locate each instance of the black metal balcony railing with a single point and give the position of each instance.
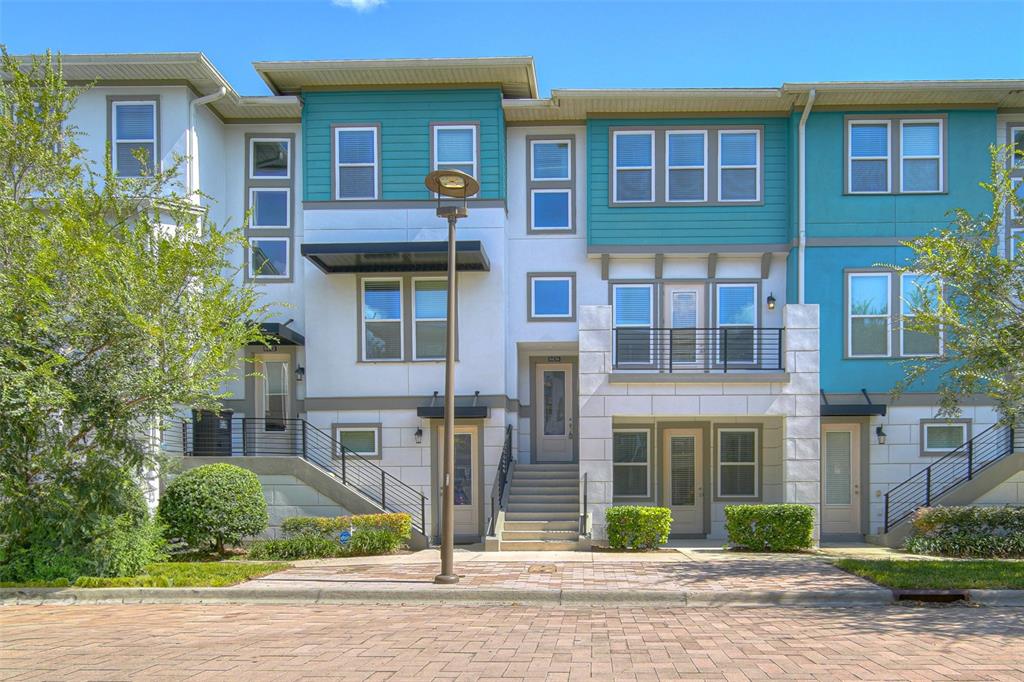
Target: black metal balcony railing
(249, 436)
(704, 349)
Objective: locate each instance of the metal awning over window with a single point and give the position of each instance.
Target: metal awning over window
(396, 257)
(865, 409)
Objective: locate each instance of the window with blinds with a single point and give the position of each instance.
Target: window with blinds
(633, 312)
(921, 156)
(838, 467)
(868, 314)
(382, 319)
(550, 184)
(356, 153)
(360, 440)
(868, 170)
(633, 154)
(430, 314)
(737, 463)
(739, 165)
(630, 463)
(683, 465)
(134, 145)
(943, 438)
(686, 166)
(455, 148)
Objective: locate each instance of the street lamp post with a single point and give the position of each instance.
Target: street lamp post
(451, 184)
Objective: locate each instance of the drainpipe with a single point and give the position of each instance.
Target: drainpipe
(803, 194)
(192, 177)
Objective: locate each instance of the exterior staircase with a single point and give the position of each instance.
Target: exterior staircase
(543, 510)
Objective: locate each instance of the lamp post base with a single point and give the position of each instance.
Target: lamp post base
(445, 579)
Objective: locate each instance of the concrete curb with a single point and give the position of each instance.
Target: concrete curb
(997, 597)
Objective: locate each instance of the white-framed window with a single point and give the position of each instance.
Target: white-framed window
(869, 329)
(686, 170)
(551, 209)
(633, 314)
(356, 153)
(736, 320)
(455, 148)
(631, 463)
(921, 152)
(914, 289)
(551, 160)
(941, 437)
(382, 319)
(269, 258)
(1016, 143)
(361, 440)
(275, 394)
(134, 130)
(430, 315)
(551, 184)
(739, 165)
(1016, 218)
(271, 208)
(868, 157)
(270, 158)
(551, 297)
(737, 462)
(633, 162)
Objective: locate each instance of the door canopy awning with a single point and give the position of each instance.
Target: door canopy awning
(396, 257)
(864, 409)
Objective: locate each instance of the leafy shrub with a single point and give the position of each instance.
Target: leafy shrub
(317, 537)
(635, 527)
(770, 527)
(982, 532)
(302, 546)
(399, 526)
(214, 505)
(328, 526)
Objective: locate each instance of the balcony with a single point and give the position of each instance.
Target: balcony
(706, 350)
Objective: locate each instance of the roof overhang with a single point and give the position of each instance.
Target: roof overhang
(365, 257)
(281, 335)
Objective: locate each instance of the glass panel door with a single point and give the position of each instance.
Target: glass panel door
(682, 488)
(683, 451)
(684, 318)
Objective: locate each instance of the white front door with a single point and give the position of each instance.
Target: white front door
(684, 310)
(553, 412)
(466, 480)
(683, 489)
(840, 478)
(271, 433)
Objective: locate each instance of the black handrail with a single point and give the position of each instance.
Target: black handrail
(944, 474)
(700, 349)
(583, 506)
(500, 481)
(251, 436)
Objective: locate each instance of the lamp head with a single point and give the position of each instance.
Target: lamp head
(452, 183)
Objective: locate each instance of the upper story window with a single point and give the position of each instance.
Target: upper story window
(633, 161)
(550, 185)
(271, 208)
(382, 319)
(868, 319)
(633, 313)
(1016, 140)
(455, 148)
(1014, 217)
(134, 129)
(915, 289)
(552, 296)
(686, 172)
(430, 315)
(895, 155)
(269, 258)
(921, 156)
(356, 151)
(869, 170)
(739, 165)
(736, 318)
(269, 158)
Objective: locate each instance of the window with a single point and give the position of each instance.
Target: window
(462, 486)
(455, 148)
(737, 463)
(356, 155)
(634, 316)
(134, 131)
(868, 322)
(269, 158)
(550, 184)
(271, 208)
(361, 440)
(551, 297)
(1016, 139)
(382, 319)
(633, 160)
(868, 170)
(942, 437)
(550, 160)
(1016, 219)
(736, 315)
(920, 156)
(275, 394)
(430, 314)
(630, 463)
(738, 165)
(914, 291)
(686, 176)
(269, 258)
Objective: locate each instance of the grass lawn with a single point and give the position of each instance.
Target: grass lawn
(175, 574)
(994, 574)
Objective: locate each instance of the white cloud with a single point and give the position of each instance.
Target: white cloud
(359, 5)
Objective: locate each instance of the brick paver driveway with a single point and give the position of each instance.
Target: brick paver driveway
(260, 642)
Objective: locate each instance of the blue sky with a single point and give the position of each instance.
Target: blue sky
(596, 44)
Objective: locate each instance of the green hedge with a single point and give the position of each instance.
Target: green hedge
(978, 532)
(770, 527)
(316, 537)
(636, 527)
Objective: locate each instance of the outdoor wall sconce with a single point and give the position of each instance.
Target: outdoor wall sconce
(771, 301)
(881, 435)
(300, 373)
(418, 435)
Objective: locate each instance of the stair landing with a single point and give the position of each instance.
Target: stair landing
(543, 508)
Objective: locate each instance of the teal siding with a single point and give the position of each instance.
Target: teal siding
(680, 225)
(404, 118)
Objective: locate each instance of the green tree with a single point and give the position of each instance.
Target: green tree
(979, 308)
(118, 302)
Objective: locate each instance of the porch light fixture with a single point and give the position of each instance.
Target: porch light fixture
(300, 373)
(771, 301)
(881, 435)
(450, 186)
(418, 435)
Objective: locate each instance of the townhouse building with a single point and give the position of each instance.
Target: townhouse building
(677, 297)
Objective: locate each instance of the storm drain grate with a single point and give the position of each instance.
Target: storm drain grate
(934, 596)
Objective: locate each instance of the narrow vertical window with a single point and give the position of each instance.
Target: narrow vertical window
(455, 148)
(686, 166)
(736, 320)
(1016, 218)
(634, 317)
(382, 319)
(634, 166)
(631, 463)
(356, 153)
(739, 165)
(269, 258)
(430, 314)
(550, 185)
(275, 395)
(737, 463)
(868, 170)
(915, 290)
(868, 320)
(134, 130)
(920, 156)
(1016, 143)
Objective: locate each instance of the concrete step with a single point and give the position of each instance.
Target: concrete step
(564, 535)
(572, 516)
(546, 506)
(539, 545)
(549, 466)
(515, 526)
(545, 484)
(565, 477)
(560, 498)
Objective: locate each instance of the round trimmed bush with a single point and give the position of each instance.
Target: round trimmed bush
(214, 505)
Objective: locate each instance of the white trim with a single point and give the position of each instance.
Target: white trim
(287, 258)
(287, 211)
(339, 428)
(719, 463)
(435, 165)
(615, 165)
(416, 319)
(963, 430)
(288, 158)
(568, 161)
(649, 325)
(115, 140)
(669, 167)
(903, 352)
(400, 321)
(756, 166)
(940, 158)
(887, 315)
(533, 210)
(338, 165)
(646, 464)
(887, 158)
(568, 302)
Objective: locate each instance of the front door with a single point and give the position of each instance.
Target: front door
(554, 408)
(684, 311)
(271, 432)
(683, 491)
(840, 479)
(466, 481)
